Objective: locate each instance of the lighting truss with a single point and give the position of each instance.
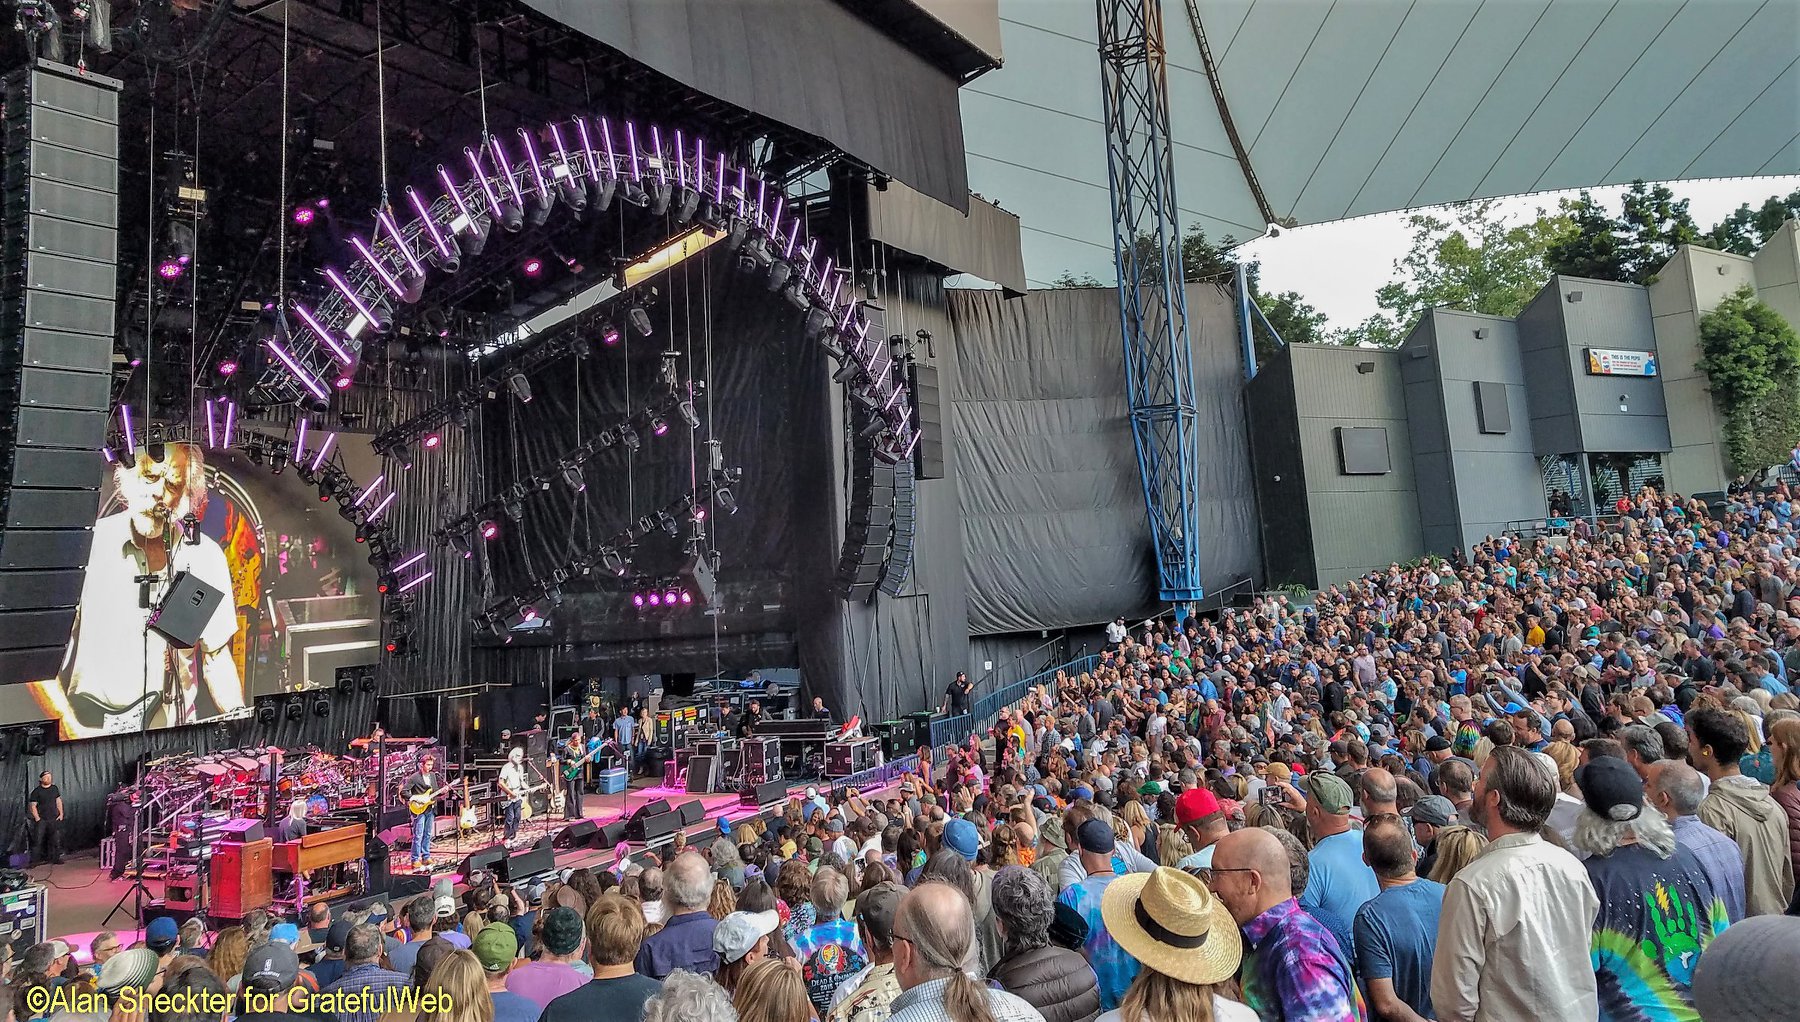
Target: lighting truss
(666, 410)
(598, 154)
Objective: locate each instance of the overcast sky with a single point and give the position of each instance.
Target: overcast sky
(1339, 265)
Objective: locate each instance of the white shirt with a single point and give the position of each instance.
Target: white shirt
(1222, 1009)
(1514, 936)
(1115, 633)
(512, 775)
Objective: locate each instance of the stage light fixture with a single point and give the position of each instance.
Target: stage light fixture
(321, 705)
(432, 441)
(266, 713)
(635, 194)
(343, 382)
(571, 474)
(688, 206)
(600, 193)
(658, 425)
(654, 599)
(580, 347)
(686, 407)
(779, 272)
(637, 599)
(818, 324)
(669, 598)
(403, 454)
(728, 503)
(795, 292)
(865, 397)
(668, 523)
(686, 597)
(532, 266)
(460, 544)
(295, 708)
(613, 561)
(386, 582)
(513, 508)
(528, 613)
(489, 528)
(872, 427)
(639, 320)
(740, 229)
(171, 269)
(628, 434)
(553, 595)
(609, 334)
(304, 215)
(660, 194)
(519, 386)
(847, 371)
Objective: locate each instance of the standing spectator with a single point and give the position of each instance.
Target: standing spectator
(45, 803)
(1189, 945)
(1340, 881)
(869, 996)
(1198, 814)
(688, 997)
(1396, 931)
(934, 935)
(1058, 982)
(362, 971)
(1111, 964)
(685, 941)
(1747, 975)
(1675, 790)
(1293, 970)
(772, 992)
(829, 951)
(1658, 912)
(741, 940)
(496, 947)
(462, 986)
(554, 973)
(1430, 815)
(420, 914)
(962, 837)
(617, 993)
(1784, 746)
(1742, 809)
(1516, 923)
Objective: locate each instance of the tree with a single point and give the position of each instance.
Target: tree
(1465, 256)
(1065, 279)
(1631, 247)
(1292, 317)
(1746, 230)
(1751, 358)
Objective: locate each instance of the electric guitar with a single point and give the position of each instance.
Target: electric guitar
(573, 770)
(423, 802)
(465, 820)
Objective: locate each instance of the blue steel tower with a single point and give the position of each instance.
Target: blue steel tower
(1159, 374)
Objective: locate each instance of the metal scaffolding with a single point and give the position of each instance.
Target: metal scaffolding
(1159, 374)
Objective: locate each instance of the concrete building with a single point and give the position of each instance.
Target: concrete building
(1478, 424)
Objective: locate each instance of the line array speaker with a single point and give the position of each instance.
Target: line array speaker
(900, 559)
(869, 530)
(58, 269)
(928, 453)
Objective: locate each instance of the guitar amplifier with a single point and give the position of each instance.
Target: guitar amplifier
(761, 760)
(845, 758)
(702, 775)
(242, 878)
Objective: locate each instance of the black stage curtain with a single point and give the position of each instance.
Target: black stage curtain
(1052, 505)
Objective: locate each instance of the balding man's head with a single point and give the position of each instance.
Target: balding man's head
(934, 932)
(1380, 794)
(1250, 873)
(1674, 788)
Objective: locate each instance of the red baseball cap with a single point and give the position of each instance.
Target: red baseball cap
(1195, 805)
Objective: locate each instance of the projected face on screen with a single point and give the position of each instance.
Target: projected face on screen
(298, 597)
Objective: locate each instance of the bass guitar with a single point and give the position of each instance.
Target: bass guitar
(573, 770)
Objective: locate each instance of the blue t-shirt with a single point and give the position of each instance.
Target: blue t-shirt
(511, 1007)
(1113, 965)
(1396, 935)
(1339, 884)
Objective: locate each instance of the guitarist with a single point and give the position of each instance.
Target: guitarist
(513, 788)
(576, 755)
(425, 781)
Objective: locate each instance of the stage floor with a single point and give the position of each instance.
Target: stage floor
(81, 896)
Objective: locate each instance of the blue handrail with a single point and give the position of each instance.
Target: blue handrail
(956, 730)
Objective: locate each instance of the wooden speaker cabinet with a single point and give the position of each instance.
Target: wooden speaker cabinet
(242, 878)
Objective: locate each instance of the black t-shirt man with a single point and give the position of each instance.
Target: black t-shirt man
(45, 797)
(959, 691)
(615, 998)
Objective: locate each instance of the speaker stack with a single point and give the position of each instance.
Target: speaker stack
(652, 820)
(869, 531)
(58, 279)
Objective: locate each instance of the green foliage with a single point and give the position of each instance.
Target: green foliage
(1292, 316)
(1630, 247)
(1465, 256)
(1065, 279)
(1746, 230)
(1751, 358)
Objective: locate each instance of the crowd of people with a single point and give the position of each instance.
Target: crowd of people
(1548, 778)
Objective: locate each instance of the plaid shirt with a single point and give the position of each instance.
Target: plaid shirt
(366, 977)
(925, 1003)
(1294, 970)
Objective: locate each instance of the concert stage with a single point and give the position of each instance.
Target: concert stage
(81, 894)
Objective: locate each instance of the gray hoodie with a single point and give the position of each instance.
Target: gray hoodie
(1742, 809)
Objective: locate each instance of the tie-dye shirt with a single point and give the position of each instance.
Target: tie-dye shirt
(1294, 970)
(1656, 917)
(1113, 965)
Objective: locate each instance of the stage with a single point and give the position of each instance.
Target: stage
(81, 894)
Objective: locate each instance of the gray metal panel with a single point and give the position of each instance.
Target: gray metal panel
(1612, 315)
(1550, 390)
(70, 276)
(1496, 474)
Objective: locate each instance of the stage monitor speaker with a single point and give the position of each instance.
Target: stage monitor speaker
(702, 775)
(407, 885)
(652, 828)
(482, 859)
(185, 609)
(928, 452)
(579, 834)
(692, 812)
(921, 733)
(764, 793)
(58, 281)
(532, 862)
(547, 841)
(656, 808)
(611, 834)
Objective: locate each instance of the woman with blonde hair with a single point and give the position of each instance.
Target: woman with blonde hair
(1456, 848)
(1172, 844)
(772, 991)
(1005, 848)
(1187, 943)
(230, 948)
(1137, 828)
(462, 985)
(724, 899)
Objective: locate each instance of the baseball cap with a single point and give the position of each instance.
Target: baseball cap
(272, 968)
(1437, 743)
(1434, 810)
(876, 906)
(446, 906)
(338, 935)
(59, 949)
(1081, 791)
(287, 933)
(1096, 836)
(1195, 805)
(495, 947)
(738, 932)
(961, 837)
(562, 931)
(1051, 833)
(161, 934)
(1329, 791)
(1611, 788)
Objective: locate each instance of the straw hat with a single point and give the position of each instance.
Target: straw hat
(1170, 921)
